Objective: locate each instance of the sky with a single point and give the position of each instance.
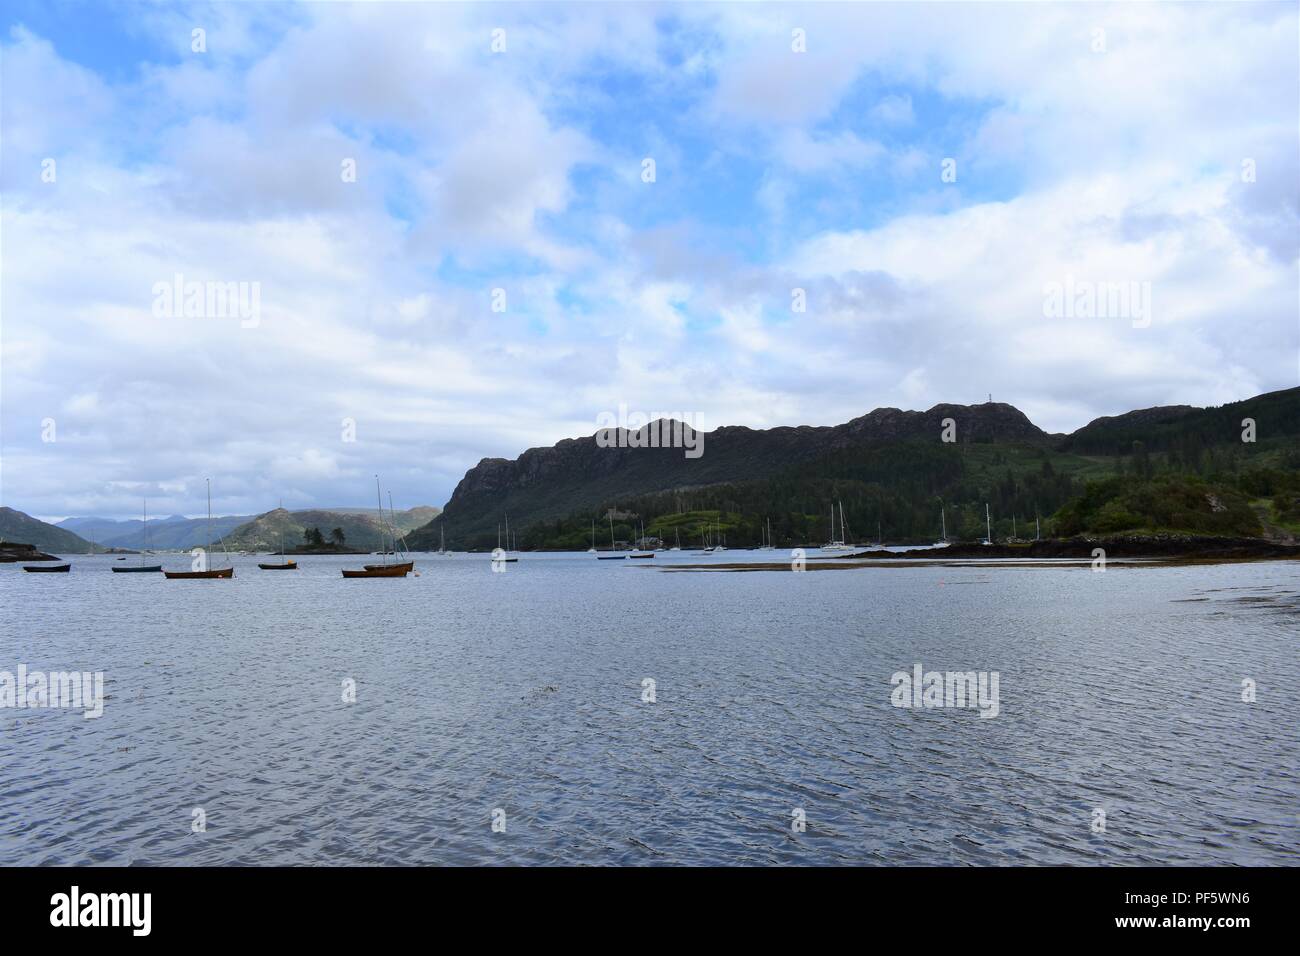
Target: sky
(461, 231)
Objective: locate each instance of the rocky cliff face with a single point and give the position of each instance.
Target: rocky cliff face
(577, 475)
(990, 422)
(554, 481)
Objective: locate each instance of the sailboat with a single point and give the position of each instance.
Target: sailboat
(837, 545)
(611, 556)
(767, 540)
(399, 569)
(943, 522)
(209, 572)
(677, 537)
(499, 554)
(287, 565)
(988, 526)
(398, 540)
(144, 514)
(641, 552)
(722, 546)
(592, 549)
(442, 541)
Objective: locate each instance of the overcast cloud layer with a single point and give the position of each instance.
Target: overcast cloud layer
(1092, 143)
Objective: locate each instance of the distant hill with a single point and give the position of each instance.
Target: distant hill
(1183, 429)
(894, 474)
(361, 528)
(175, 532)
(407, 520)
(16, 526)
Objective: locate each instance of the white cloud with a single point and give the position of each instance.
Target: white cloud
(375, 294)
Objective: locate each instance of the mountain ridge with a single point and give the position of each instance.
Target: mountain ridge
(553, 483)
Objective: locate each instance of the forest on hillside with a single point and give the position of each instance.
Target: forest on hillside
(897, 495)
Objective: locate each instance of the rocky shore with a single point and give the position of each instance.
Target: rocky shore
(1181, 547)
(12, 551)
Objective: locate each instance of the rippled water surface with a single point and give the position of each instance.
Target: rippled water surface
(1119, 691)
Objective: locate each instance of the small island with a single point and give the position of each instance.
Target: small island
(314, 542)
(13, 551)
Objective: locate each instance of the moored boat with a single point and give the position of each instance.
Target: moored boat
(287, 565)
(612, 545)
(837, 545)
(406, 565)
(210, 573)
(397, 569)
(141, 567)
(640, 550)
(47, 567)
(206, 572)
(379, 571)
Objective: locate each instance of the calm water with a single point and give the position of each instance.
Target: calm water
(523, 691)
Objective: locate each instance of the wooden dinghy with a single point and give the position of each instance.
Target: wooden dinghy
(213, 573)
(395, 569)
(286, 566)
(139, 567)
(404, 565)
(46, 567)
(379, 571)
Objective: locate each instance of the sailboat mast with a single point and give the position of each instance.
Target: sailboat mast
(144, 520)
(209, 481)
(988, 524)
(392, 516)
(379, 500)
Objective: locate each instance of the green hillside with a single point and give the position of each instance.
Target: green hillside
(22, 528)
(1175, 469)
(357, 529)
